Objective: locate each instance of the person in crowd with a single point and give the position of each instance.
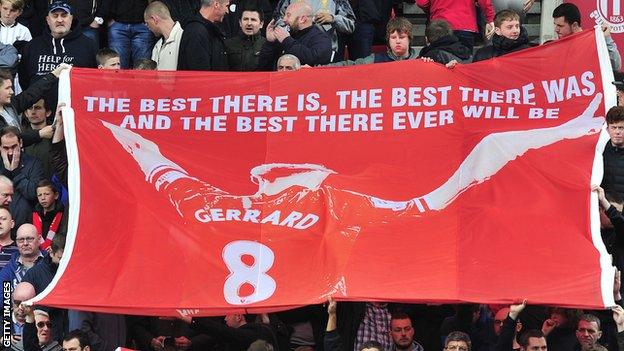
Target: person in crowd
(457, 341)
(28, 255)
(7, 245)
(76, 340)
(509, 36)
(231, 21)
(127, 32)
(461, 15)
(367, 16)
(560, 328)
(613, 154)
(6, 191)
(145, 65)
(531, 340)
(21, 292)
(25, 172)
(152, 333)
(202, 46)
(335, 17)
(11, 30)
(48, 214)
(108, 58)
(40, 277)
(402, 333)
(588, 332)
(618, 81)
(38, 332)
(243, 50)
(399, 37)
(567, 20)
(310, 44)
(36, 119)
(105, 331)
(166, 50)
(238, 333)
(442, 45)
(288, 62)
(64, 43)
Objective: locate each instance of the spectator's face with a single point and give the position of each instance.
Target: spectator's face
(73, 345)
(232, 320)
(250, 22)
(10, 144)
(6, 194)
(286, 64)
(46, 197)
(616, 132)
(37, 113)
(26, 240)
(59, 22)
(402, 332)
(6, 92)
(536, 344)
(588, 333)
(6, 222)
(291, 17)
(150, 22)
(221, 9)
(499, 318)
(111, 63)
(44, 329)
(8, 14)
(456, 346)
(563, 28)
(509, 29)
(399, 43)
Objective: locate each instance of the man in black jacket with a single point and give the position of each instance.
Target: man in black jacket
(202, 45)
(509, 36)
(311, 45)
(613, 155)
(243, 50)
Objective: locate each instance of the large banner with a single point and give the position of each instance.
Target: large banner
(208, 193)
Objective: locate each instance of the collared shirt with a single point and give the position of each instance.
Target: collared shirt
(165, 52)
(16, 31)
(375, 326)
(21, 269)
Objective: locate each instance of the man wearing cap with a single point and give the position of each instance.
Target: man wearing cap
(63, 44)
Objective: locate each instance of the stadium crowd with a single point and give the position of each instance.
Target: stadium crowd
(39, 39)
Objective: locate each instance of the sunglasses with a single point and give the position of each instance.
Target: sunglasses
(47, 324)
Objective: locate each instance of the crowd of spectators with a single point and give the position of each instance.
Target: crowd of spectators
(38, 39)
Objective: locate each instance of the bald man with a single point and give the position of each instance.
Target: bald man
(27, 240)
(22, 292)
(158, 20)
(301, 38)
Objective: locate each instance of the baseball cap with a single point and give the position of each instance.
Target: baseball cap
(59, 5)
(618, 79)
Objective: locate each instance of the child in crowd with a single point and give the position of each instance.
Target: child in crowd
(48, 213)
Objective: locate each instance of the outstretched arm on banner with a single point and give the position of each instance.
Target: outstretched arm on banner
(494, 151)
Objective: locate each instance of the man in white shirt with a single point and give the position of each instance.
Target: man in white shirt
(159, 21)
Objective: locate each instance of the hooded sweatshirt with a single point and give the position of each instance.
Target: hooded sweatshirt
(42, 54)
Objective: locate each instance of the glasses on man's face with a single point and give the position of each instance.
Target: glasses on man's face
(25, 240)
(46, 324)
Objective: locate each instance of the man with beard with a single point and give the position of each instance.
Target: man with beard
(41, 275)
(243, 50)
(402, 333)
(509, 36)
(310, 44)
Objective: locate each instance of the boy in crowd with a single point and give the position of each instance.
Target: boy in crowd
(48, 213)
(509, 36)
(108, 59)
(10, 29)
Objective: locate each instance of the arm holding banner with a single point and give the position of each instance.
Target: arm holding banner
(614, 54)
(508, 331)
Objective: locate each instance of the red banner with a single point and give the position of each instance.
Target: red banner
(598, 12)
(207, 193)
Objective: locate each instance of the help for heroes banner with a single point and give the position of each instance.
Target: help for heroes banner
(218, 192)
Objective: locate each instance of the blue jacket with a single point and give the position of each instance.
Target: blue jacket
(8, 272)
